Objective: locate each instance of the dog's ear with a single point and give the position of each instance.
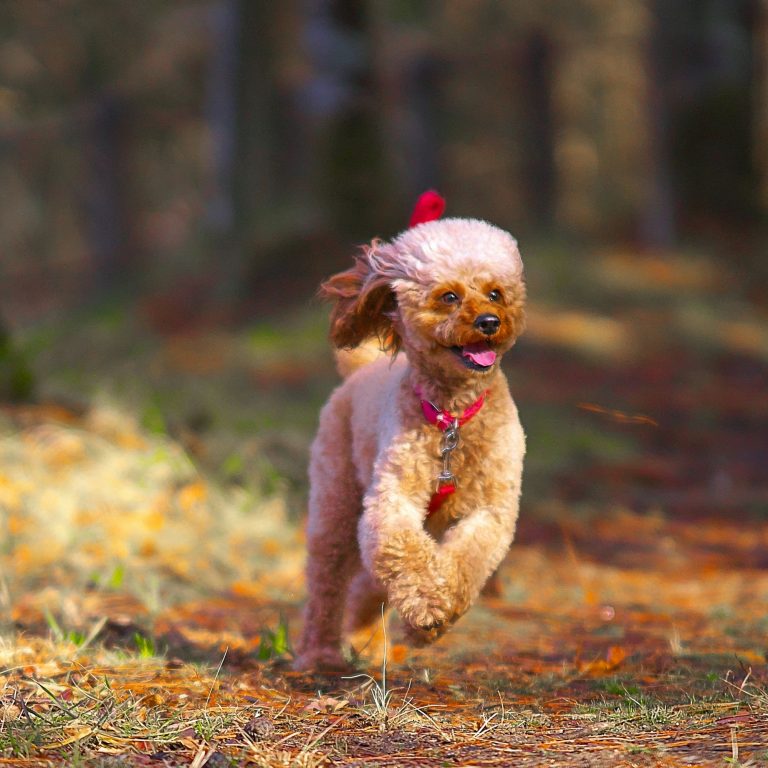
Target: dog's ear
(364, 304)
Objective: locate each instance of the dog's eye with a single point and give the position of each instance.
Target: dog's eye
(494, 295)
(449, 297)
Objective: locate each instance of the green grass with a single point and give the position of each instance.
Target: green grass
(275, 643)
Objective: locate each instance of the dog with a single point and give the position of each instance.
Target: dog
(416, 468)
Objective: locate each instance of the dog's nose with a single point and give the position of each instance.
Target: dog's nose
(487, 324)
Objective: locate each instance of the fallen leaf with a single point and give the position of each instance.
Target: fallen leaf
(399, 653)
(325, 704)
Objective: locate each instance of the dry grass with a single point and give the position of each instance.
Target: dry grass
(91, 708)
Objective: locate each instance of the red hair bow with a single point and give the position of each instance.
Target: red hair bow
(429, 206)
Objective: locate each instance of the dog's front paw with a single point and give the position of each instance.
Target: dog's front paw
(421, 637)
(423, 613)
(323, 659)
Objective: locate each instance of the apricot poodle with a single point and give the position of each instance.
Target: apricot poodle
(415, 471)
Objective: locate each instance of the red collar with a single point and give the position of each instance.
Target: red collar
(443, 420)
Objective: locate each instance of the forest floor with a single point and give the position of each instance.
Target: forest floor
(151, 509)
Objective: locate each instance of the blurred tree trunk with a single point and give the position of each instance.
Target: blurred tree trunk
(657, 217)
(104, 196)
(255, 123)
(482, 103)
(539, 163)
(221, 109)
(760, 135)
(407, 76)
(609, 163)
(355, 171)
(268, 164)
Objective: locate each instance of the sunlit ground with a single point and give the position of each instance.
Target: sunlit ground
(151, 506)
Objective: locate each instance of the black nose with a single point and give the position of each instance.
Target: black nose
(487, 324)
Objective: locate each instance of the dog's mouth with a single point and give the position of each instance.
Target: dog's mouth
(478, 356)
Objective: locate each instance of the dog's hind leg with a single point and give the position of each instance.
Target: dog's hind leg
(333, 555)
(364, 621)
(365, 600)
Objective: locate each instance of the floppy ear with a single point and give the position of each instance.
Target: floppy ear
(365, 303)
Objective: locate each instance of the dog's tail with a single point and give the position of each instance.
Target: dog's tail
(349, 360)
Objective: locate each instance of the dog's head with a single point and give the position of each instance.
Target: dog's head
(450, 292)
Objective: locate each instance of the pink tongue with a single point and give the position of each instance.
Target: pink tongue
(479, 353)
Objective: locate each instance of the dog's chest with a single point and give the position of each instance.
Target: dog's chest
(463, 467)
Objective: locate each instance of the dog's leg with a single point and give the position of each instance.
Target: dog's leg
(394, 546)
(365, 620)
(474, 549)
(475, 546)
(332, 552)
(364, 601)
(468, 557)
(328, 567)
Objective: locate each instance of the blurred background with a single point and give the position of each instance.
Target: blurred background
(194, 150)
(177, 176)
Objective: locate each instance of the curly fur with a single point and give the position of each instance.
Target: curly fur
(375, 459)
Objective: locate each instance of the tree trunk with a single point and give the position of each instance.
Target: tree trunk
(760, 135)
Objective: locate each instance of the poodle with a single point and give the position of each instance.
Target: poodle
(416, 467)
